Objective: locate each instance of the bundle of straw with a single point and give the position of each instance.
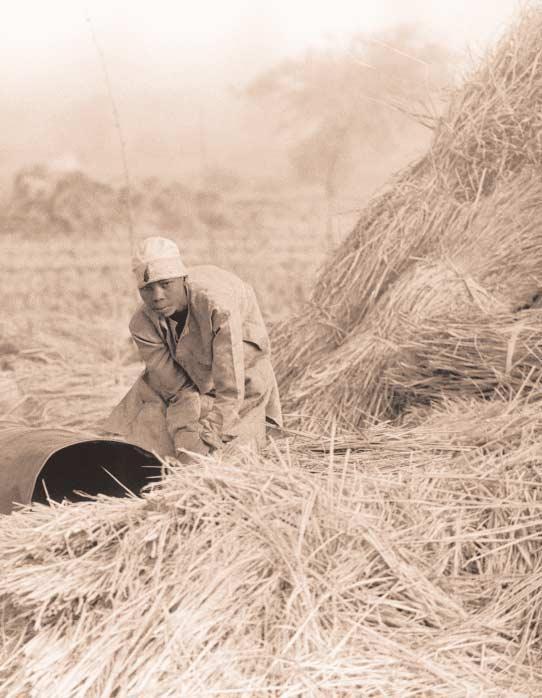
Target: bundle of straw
(470, 205)
(347, 384)
(479, 357)
(260, 577)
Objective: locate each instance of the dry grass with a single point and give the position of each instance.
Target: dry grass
(64, 336)
(376, 573)
(274, 245)
(468, 210)
(403, 559)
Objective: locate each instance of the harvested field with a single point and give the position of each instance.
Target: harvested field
(386, 543)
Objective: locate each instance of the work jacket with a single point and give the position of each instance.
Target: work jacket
(222, 354)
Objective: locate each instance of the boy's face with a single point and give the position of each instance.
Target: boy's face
(167, 296)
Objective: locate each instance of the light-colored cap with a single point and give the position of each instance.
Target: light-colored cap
(155, 259)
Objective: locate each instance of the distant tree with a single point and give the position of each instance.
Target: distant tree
(337, 103)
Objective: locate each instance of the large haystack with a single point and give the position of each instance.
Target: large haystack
(457, 233)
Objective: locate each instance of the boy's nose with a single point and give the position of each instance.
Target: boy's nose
(157, 293)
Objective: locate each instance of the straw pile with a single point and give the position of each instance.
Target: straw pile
(481, 357)
(63, 375)
(403, 559)
(457, 233)
(376, 574)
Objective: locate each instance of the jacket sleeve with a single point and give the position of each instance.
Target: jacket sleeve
(228, 372)
(164, 375)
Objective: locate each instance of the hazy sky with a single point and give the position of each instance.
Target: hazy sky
(172, 65)
(241, 35)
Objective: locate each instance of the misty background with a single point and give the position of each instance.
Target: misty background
(327, 97)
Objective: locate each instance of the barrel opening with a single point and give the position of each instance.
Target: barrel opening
(95, 467)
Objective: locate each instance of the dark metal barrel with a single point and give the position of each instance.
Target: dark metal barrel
(38, 464)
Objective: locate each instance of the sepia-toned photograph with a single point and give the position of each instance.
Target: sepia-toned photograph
(271, 349)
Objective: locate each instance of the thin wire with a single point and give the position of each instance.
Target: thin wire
(116, 118)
